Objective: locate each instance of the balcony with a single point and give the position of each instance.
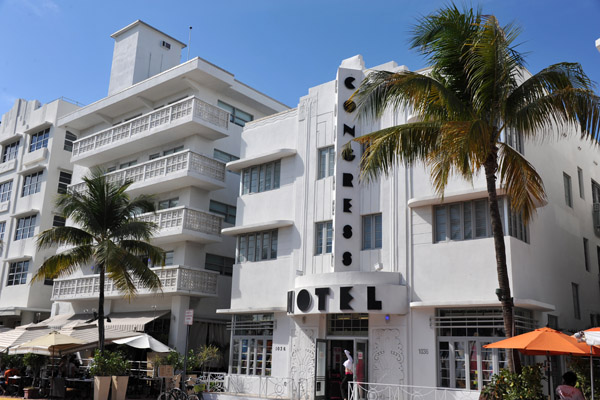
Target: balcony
(175, 279)
(170, 172)
(166, 124)
(181, 223)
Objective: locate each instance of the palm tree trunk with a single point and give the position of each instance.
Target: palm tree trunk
(101, 311)
(491, 167)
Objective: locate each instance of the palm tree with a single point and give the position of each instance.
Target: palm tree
(476, 89)
(107, 234)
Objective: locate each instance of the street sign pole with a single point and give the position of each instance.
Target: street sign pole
(189, 320)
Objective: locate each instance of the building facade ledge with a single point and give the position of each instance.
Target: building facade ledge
(238, 165)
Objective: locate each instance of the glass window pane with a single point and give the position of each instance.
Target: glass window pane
(331, 161)
(251, 247)
(467, 223)
(329, 247)
(481, 213)
(276, 172)
(254, 180)
(274, 244)
(319, 239)
(367, 231)
(440, 224)
(455, 222)
(246, 181)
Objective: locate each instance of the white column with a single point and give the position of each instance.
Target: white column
(179, 304)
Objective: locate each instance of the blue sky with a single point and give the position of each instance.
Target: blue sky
(53, 48)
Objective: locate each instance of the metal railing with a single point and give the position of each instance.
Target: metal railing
(381, 391)
(164, 167)
(145, 123)
(186, 218)
(173, 279)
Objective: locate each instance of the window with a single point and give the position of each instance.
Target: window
(326, 162)
(227, 211)
(153, 156)
(69, 139)
(323, 237)
(568, 193)
(170, 203)
(169, 257)
(58, 221)
(39, 140)
(580, 180)
(252, 344)
(25, 227)
(10, 151)
(2, 229)
(514, 139)
(173, 150)
(598, 256)
(236, 115)
(5, 190)
(576, 309)
(348, 324)
(595, 192)
(257, 246)
(127, 164)
(64, 180)
(372, 231)
(586, 254)
(261, 178)
(111, 169)
(17, 273)
(32, 183)
(222, 156)
(470, 220)
(220, 264)
(553, 321)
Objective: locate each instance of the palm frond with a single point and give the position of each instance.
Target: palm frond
(64, 264)
(138, 247)
(134, 229)
(523, 184)
(63, 235)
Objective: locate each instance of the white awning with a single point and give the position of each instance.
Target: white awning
(21, 334)
(262, 226)
(131, 321)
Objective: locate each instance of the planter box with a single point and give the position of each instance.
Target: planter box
(119, 385)
(101, 387)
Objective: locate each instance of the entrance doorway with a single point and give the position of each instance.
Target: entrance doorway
(329, 366)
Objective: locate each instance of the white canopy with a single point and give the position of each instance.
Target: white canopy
(592, 338)
(144, 341)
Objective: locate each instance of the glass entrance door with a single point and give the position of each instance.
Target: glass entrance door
(320, 369)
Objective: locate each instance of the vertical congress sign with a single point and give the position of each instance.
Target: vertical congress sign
(347, 243)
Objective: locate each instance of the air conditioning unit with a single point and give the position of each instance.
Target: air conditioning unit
(596, 216)
(166, 45)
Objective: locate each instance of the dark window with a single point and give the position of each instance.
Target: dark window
(220, 264)
(257, 246)
(261, 178)
(576, 308)
(568, 192)
(2, 229)
(10, 151)
(64, 180)
(127, 164)
(169, 203)
(580, 180)
(586, 254)
(348, 324)
(326, 162)
(69, 139)
(58, 221)
(236, 115)
(32, 183)
(372, 231)
(324, 237)
(227, 211)
(17, 273)
(173, 150)
(39, 140)
(25, 227)
(222, 156)
(5, 190)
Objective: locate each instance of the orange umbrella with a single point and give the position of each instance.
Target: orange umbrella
(543, 342)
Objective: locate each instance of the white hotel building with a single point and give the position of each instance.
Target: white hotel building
(387, 270)
(169, 127)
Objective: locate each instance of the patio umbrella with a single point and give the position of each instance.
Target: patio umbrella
(144, 341)
(543, 341)
(48, 344)
(592, 338)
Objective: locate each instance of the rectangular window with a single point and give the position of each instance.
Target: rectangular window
(261, 178)
(173, 150)
(58, 221)
(257, 246)
(252, 344)
(64, 180)
(127, 164)
(228, 212)
(220, 264)
(580, 180)
(10, 151)
(586, 254)
(372, 231)
(514, 139)
(5, 190)
(69, 139)
(169, 257)
(17, 273)
(326, 162)
(169, 203)
(32, 183)
(153, 156)
(39, 140)
(2, 229)
(324, 237)
(25, 227)
(576, 308)
(222, 156)
(236, 115)
(568, 193)
(598, 257)
(595, 192)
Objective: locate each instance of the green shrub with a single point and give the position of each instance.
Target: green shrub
(511, 386)
(109, 363)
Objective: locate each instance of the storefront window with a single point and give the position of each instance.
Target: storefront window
(348, 324)
(252, 344)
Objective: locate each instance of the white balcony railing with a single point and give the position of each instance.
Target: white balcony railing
(145, 123)
(165, 166)
(174, 279)
(186, 218)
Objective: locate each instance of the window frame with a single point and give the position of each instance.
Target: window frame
(568, 189)
(223, 156)
(326, 162)
(254, 181)
(586, 254)
(370, 231)
(576, 302)
(324, 237)
(32, 183)
(10, 151)
(255, 241)
(229, 213)
(70, 137)
(218, 263)
(235, 114)
(25, 227)
(580, 181)
(170, 203)
(39, 140)
(17, 273)
(64, 181)
(5, 190)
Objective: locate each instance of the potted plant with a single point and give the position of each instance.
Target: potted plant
(101, 370)
(35, 362)
(119, 368)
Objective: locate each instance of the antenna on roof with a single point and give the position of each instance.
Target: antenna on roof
(189, 41)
